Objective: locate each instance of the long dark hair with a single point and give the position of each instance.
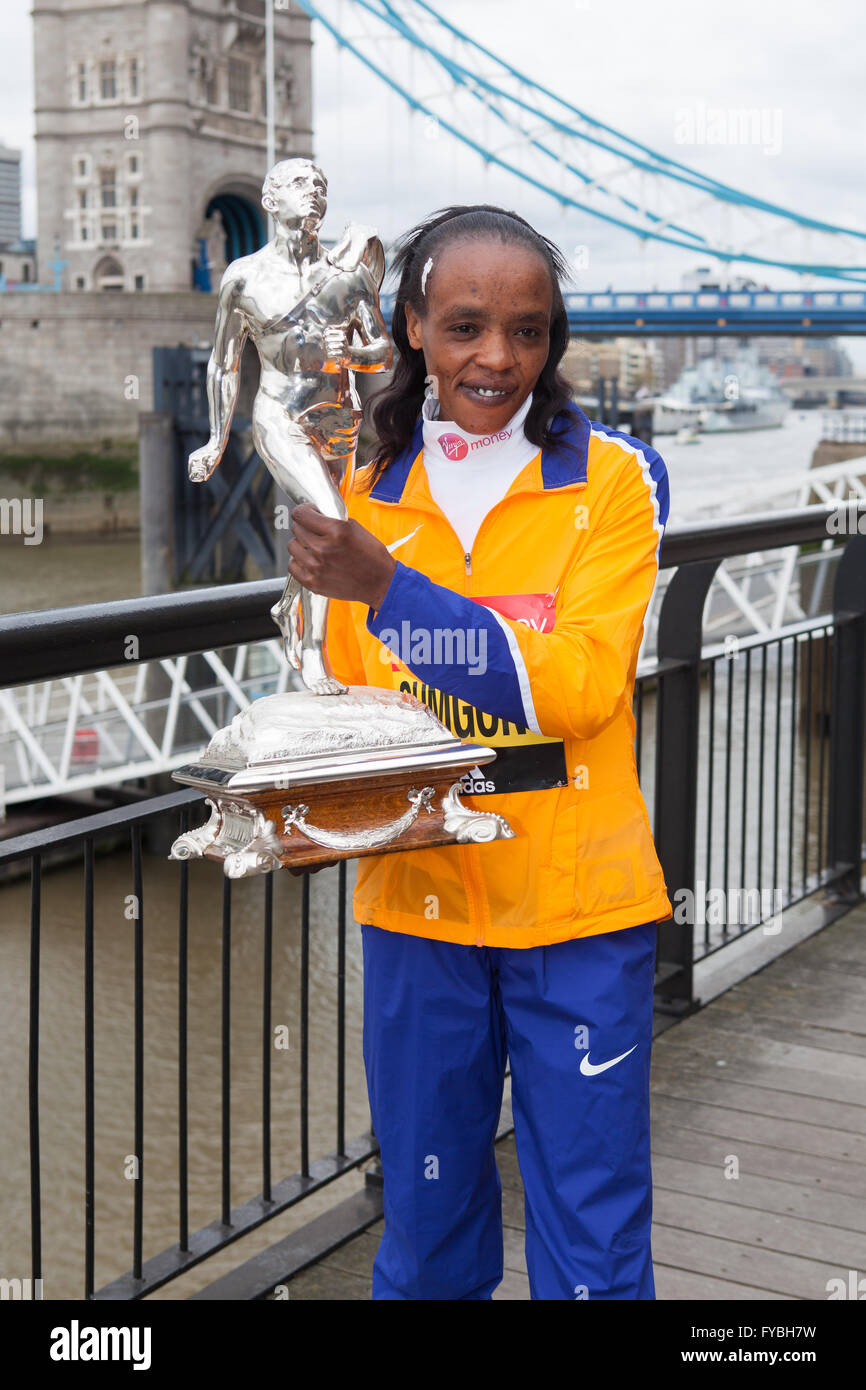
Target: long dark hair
(393, 411)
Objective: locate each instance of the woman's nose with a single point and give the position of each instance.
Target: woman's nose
(495, 350)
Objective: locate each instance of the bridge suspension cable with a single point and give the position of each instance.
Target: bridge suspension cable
(578, 160)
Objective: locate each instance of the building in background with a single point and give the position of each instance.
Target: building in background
(794, 357)
(150, 136)
(17, 256)
(641, 365)
(783, 356)
(633, 362)
(10, 195)
(150, 157)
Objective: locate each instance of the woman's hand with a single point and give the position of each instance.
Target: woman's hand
(339, 559)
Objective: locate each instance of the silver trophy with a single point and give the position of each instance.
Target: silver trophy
(357, 755)
(301, 307)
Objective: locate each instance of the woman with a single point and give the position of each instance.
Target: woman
(496, 512)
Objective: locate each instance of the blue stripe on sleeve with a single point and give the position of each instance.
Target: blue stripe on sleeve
(449, 642)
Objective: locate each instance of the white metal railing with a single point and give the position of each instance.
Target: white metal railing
(761, 592)
(843, 426)
(94, 730)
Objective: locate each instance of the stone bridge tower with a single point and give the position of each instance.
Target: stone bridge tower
(150, 135)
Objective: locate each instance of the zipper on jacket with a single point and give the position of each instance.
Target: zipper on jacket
(474, 889)
(473, 878)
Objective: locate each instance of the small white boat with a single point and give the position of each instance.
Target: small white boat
(756, 408)
(671, 414)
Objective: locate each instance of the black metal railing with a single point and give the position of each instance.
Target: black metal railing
(702, 741)
(171, 813)
(737, 751)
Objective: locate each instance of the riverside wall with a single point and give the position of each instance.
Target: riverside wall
(76, 368)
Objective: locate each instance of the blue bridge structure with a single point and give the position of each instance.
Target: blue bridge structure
(710, 313)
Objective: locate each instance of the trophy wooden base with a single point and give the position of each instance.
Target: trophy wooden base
(303, 808)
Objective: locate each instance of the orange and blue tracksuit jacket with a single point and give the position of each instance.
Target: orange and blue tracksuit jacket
(528, 645)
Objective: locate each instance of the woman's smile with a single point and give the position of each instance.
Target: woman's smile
(485, 334)
(487, 397)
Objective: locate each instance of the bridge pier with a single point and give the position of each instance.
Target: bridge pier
(156, 465)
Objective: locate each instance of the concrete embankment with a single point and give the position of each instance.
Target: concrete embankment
(89, 491)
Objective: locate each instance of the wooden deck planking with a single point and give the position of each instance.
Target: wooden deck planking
(772, 1072)
(761, 1194)
(794, 1135)
(790, 1235)
(758, 1100)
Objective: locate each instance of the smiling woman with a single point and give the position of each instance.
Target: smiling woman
(490, 329)
(497, 520)
(484, 333)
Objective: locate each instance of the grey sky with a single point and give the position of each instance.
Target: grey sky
(633, 64)
(636, 66)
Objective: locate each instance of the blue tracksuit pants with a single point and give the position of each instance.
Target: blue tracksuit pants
(575, 1021)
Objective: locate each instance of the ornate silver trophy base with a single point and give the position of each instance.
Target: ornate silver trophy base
(301, 779)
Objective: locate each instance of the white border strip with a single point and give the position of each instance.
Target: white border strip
(647, 477)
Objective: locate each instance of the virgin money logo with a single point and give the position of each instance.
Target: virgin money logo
(453, 446)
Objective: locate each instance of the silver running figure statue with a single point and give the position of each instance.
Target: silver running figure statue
(303, 308)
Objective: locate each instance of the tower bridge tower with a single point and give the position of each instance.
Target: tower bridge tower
(150, 135)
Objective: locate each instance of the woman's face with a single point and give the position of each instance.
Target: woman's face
(485, 331)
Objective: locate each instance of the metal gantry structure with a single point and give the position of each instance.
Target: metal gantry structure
(80, 732)
(518, 125)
